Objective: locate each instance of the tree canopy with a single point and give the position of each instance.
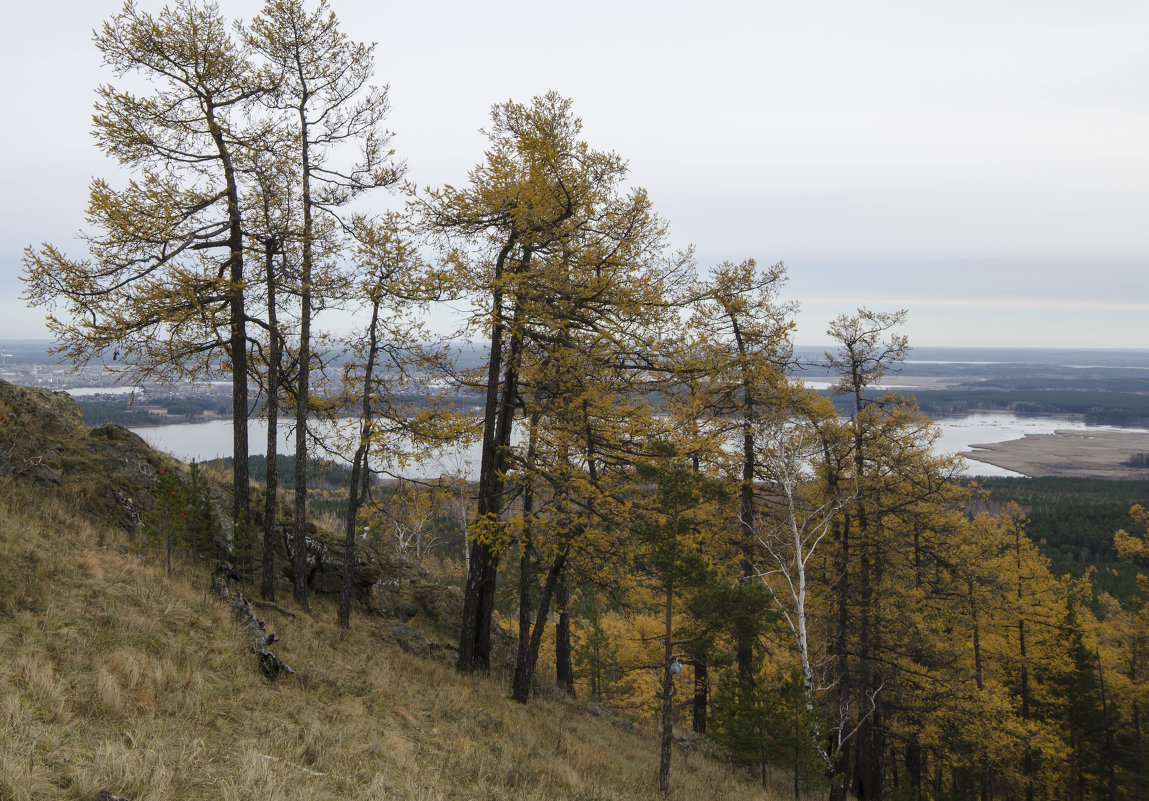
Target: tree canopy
(673, 504)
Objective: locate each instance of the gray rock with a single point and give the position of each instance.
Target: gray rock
(385, 601)
(444, 605)
(409, 638)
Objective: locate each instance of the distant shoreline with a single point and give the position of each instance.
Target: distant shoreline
(1070, 454)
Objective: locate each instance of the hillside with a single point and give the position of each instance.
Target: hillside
(116, 676)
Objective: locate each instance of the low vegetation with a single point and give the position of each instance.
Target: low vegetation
(117, 676)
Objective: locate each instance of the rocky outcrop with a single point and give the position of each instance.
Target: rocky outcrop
(111, 475)
(109, 472)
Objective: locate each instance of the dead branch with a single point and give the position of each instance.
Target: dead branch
(271, 665)
(272, 605)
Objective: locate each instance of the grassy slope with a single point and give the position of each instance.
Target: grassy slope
(115, 676)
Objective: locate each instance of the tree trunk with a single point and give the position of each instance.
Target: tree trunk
(356, 489)
(267, 582)
(482, 578)
(525, 570)
(303, 394)
(349, 533)
(258, 639)
(525, 670)
(1110, 746)
(667, 739)
(701, 695)
(480, 552)
(914, 768)
(521, 683)
(840, 747)
(237, 342)
(564, 669)
(744, 649)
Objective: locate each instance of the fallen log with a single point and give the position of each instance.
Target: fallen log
(273, 605)
(258, 639)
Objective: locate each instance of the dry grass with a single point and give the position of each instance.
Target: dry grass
(115, 676)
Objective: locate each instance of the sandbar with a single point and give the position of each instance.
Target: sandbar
(1070, 454)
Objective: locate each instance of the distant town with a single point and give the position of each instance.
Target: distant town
(1100, 387)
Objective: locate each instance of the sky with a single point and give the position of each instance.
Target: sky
(982, 164)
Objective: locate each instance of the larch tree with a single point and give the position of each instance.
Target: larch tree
(585, 401)
(399, 417)
(586, 430)
(273, 202)
(323, 83)
(734, 379)
(1123, 657)
(541, 198)
(866, 351)
(895, 522)
(151, 291)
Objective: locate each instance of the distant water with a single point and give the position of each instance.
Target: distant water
(211, 440)
(959, 433)
(86, 392)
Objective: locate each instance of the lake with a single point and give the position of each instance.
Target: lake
(210, 440)
(87, 392)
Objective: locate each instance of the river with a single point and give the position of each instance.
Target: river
(210, 440)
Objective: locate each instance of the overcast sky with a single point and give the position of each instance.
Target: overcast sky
(983, 164)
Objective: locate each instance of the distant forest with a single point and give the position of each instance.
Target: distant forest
(118, 409)
(321, 473)
(1072, 521)
(1096, 407)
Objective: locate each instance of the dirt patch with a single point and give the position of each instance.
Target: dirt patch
(1071, 454)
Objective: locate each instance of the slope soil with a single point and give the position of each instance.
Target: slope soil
(118, 676)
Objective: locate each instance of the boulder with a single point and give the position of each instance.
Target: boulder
(409, 638)
(442, 604)
(384, 600)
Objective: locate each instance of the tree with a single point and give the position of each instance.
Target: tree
(862, 358)
(791, 531)
(322, 79)
(767, 722)
(671, 533)
(733, 378)
(382, 374)
(541, 201)
(273, 203)
(149, 291)
(1123, 657)
(1130, 546)
(587, 414)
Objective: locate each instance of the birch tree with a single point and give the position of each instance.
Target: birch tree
(791, 533)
